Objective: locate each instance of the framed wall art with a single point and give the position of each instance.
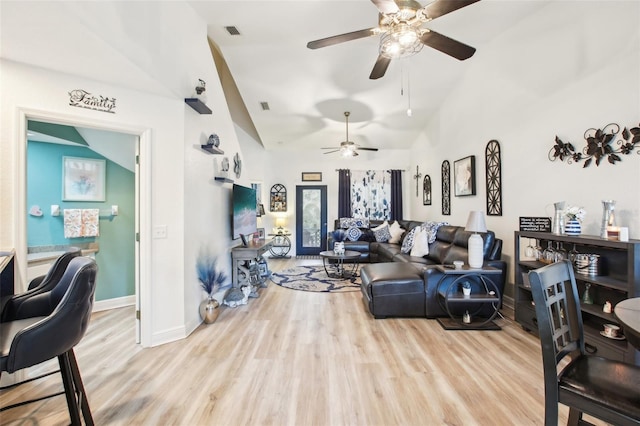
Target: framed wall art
(312, 176)
(426, 191)
(83, 179)
(494, 178)
(278, 198)
(465, 176)
(446, 188)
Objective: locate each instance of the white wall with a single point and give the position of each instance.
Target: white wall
(180, 191)
(570, 67)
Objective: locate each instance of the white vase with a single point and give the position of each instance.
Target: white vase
(338, 248)
(572, 227)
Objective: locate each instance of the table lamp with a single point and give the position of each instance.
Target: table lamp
(280, 224)
(475, 224)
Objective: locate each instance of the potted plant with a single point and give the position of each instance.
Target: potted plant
(212, 280)
(339, 235)
(466, 288)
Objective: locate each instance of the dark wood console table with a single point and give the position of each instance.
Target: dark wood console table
(241, 255)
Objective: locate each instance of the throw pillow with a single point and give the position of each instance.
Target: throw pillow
(350, 222)
(432, 229)
(353, 233)
(396, 232)
(368, 236)
(407, 243)
(420, 244)
(382, 233)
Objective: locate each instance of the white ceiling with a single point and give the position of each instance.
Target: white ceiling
(307, 90)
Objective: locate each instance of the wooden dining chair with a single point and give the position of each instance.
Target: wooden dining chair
(603, 388)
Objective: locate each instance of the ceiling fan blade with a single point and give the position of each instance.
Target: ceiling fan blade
(367, 149)
(447, 45)
(330, 41)
(330, 152)
(442, 7)
(382, 63)
(386, 6)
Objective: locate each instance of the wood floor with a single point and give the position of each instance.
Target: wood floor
(300, 358)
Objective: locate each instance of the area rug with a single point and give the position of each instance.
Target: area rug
(314, 278)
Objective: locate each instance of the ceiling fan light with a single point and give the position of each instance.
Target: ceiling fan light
(400, 41)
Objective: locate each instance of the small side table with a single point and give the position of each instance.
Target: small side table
(485, 293)
(337, 269)
(281, 245)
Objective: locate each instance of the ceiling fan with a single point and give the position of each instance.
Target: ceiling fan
(400, 23)
(348, 148)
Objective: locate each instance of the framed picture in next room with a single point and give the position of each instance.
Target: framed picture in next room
(465, 176)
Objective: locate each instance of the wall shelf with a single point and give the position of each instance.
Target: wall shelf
(212, 149)
(223, 179)
(198, 105)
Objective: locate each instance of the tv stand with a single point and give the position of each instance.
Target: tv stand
(241, 258)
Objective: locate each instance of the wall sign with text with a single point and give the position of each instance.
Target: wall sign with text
(535, 224)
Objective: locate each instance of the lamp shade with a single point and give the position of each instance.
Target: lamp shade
(280, 222)
(476, 222)
(475, 246)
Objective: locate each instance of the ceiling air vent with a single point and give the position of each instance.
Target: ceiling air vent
(232, 30)
(265, 106)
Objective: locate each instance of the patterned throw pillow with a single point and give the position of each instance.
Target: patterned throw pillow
(382, 233)
(353, 233)
(350, 222)
(396, 232)
(432, 229)
(407, 243)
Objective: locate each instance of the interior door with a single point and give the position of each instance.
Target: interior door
(311, 219)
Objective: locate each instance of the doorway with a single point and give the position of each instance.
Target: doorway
(311, 219)
(141, 147)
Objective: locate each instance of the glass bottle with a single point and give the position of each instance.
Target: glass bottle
(587, 299)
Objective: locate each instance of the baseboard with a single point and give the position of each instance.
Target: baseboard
(168, 336)
(116, 302)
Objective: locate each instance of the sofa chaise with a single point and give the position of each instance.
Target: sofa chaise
(396, 284)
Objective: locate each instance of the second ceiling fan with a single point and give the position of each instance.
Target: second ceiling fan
(400, 23)
(348, 148)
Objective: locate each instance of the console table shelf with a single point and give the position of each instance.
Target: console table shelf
(618, 279)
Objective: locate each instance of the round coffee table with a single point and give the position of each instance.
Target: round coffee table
(335, 267)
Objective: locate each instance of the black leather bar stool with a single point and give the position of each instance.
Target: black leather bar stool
(50, 324)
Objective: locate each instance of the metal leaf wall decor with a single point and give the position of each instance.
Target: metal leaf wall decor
(599, 146)
(493, 163)
(446, 188)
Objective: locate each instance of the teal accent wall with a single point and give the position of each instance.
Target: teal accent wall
(116, 258)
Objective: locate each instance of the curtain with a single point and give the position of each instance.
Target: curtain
(396, 194)
(344, 193)
(371, 194)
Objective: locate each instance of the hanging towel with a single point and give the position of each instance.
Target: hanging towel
(90, 222)
(72, 223)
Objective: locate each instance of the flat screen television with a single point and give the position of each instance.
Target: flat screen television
(244, 219)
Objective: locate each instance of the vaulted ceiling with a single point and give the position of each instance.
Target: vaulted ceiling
(308, 91)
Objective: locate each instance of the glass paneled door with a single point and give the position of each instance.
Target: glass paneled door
(311, 219)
